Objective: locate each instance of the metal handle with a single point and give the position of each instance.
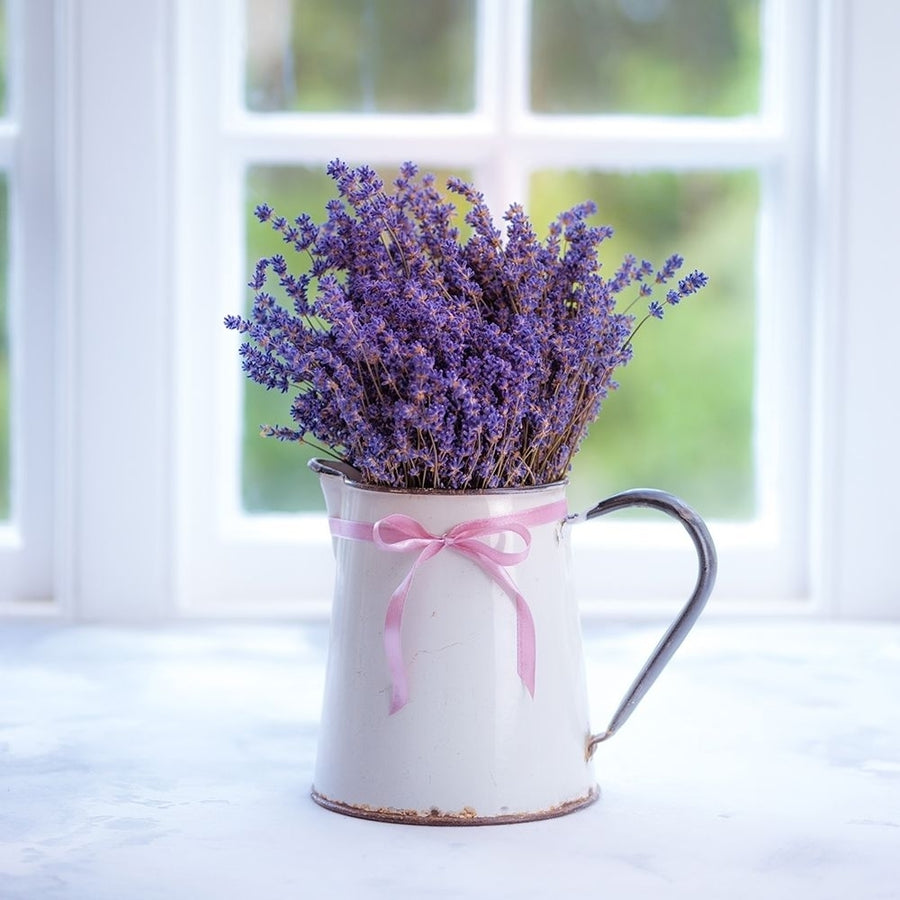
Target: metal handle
(671, 640)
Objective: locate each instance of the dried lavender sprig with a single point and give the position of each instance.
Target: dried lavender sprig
(687, 286)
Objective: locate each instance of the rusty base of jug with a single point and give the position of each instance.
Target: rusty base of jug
(465, 816)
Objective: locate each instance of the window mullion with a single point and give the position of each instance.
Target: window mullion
(310, 140)
(230, 21)
(489, 41)
(640, 152)
(506, 58)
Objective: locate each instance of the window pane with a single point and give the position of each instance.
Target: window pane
(360, 55)
(665, 57)
(682, 419)
(4, 355)
(273, 474)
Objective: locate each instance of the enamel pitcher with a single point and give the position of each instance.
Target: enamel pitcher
(455, 690)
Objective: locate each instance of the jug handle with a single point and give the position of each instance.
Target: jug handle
(671, 640)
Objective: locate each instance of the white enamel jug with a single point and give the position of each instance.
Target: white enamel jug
(455, 691)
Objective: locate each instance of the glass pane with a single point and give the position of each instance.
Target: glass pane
(682, 419)
(360, 55)
(4, 355)
(273, 473)
(3, 58)
(663, 57)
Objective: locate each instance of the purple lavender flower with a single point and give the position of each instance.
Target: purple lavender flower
(670, 267)
(692, 283)
(259, 275)
(429, 362)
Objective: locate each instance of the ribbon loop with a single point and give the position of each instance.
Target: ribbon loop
(398, 533)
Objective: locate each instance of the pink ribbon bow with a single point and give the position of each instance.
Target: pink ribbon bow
(399, 533)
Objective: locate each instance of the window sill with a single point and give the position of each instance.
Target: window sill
(176, 761)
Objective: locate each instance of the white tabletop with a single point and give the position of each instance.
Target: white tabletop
(175, 763)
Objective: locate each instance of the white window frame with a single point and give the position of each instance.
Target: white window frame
(248, 558)
(27, 160)
(139, 278)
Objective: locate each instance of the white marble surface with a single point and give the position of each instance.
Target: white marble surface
(174, 763)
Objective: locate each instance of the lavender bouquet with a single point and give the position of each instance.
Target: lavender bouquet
(425, 361)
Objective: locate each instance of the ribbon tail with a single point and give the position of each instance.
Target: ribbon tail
(393, 621)
(393, 645)
(525, 643)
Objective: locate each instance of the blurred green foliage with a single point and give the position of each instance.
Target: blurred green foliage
(682, 418)
(668, 57)
(387, 56)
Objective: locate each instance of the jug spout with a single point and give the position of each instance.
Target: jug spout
(331, 478)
